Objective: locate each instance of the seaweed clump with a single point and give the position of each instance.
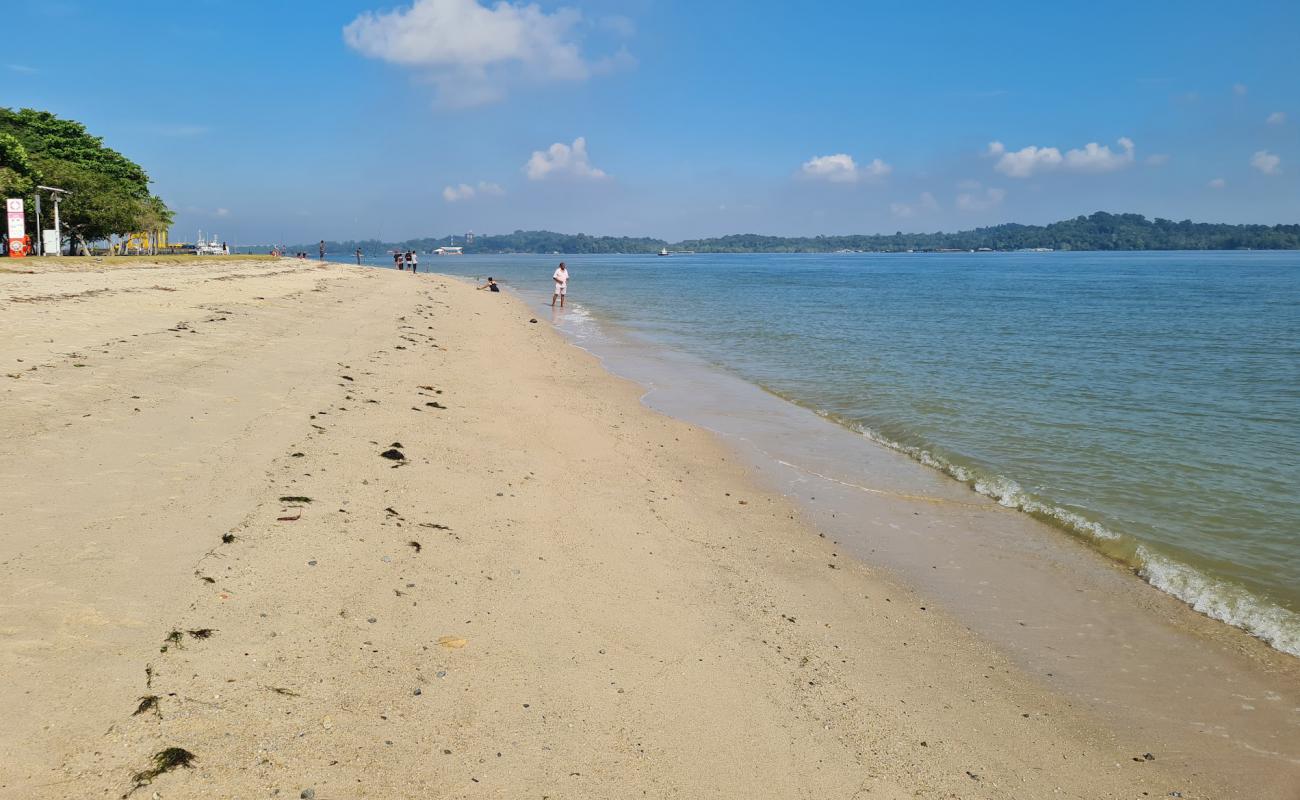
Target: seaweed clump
(148, 703)
(163, 761)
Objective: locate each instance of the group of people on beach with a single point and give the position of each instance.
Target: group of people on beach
(406, 260)
(280, 251)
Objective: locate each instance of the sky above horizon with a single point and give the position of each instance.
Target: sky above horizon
(340, 119)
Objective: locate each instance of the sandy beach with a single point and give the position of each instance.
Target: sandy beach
(343, 532)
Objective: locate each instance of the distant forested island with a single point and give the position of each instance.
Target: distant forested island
(1099, 231)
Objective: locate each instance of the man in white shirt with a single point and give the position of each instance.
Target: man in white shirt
(561, 278)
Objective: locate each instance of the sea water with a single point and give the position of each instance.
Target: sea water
(1147, 403)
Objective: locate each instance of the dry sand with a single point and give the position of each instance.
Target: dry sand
(556, 593)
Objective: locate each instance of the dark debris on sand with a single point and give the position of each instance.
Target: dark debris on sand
(147, 703)
(163, 761)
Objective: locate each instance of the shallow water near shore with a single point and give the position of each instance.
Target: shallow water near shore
(1146, 403)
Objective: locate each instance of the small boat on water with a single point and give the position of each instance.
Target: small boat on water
(663, 251)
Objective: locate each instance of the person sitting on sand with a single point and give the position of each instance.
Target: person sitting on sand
(491, 285)
(561, 278)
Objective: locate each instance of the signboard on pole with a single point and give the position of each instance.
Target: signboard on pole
(17, 225)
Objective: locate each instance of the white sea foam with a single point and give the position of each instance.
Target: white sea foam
(1217, 599)
(1223, 601)
(1007, 492)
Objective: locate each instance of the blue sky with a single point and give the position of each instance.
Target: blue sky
(288, 121)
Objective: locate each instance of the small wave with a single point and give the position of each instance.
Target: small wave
(1005, 491)
(1223, 601)
(1217, 599)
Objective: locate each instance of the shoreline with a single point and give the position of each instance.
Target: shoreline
(1126, 649)
(603, 600)
(1204, 593)
(1228, 603)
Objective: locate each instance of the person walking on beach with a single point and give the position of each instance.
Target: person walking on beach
(358, 256)
(410, 261)
(322, 249)
(397, 260)
(561, 278)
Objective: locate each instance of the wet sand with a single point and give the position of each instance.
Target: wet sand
(545, 589)
(1140, 660)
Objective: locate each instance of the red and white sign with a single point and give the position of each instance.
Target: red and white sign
(17, 226)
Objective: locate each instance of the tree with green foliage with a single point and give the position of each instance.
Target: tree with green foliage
(108, 193)
(17, 175)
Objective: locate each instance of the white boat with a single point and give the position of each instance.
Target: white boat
(215, 247)
(450, 251)
(663, 251)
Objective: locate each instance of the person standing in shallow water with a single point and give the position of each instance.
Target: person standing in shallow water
(561, 278)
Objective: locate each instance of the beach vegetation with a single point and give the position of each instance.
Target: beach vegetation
(17, 175)
(108, 193)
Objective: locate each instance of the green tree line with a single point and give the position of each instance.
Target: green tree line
(108, 193)
(1099, 231)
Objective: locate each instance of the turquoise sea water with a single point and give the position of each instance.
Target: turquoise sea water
(1148, 403)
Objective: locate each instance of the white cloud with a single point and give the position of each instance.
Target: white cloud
(925, 204)
(1276, 118)
(1239, 89)
(223, 212)
(1100, 158)
(563, 161)
(1266, 162)
(981, 200)
(22, 68)
(471, 52)
(841, 168)
(1217, 183)
(465, 191)
(1092, 157)
(1024, 162)
(1157, 159)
